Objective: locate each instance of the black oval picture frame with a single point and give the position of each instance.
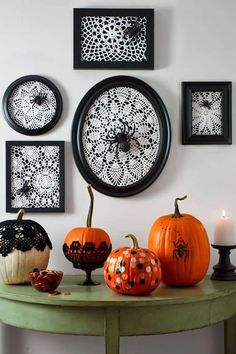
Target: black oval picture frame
(77, 135)
(22, 80)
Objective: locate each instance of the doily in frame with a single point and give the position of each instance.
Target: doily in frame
(32, 105)
(121, 136)
(121, 110)
(108, 41)
(113, 38)
(207, 113)
(35, 176)
(26, 114)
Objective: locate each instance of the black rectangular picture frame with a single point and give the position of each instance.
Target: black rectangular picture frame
(79, 13)
(61, 175)
(188, 87)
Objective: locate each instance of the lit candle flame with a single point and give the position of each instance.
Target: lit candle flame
(223, 213)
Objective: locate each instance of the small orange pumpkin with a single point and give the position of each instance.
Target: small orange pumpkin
(132, 270)
(181, 243)
(87, 247)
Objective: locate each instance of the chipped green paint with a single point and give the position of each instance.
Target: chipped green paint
(99, 311)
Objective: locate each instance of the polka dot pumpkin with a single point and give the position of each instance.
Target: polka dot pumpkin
(132, 270)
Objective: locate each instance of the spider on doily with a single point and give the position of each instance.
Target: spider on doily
(38, 98)
(132, 32)
(122, 137)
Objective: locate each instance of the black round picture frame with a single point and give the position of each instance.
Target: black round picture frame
(88, 108)
(51, 109)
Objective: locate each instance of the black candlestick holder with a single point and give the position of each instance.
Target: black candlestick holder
(224, 270)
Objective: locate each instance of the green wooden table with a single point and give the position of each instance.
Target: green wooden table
(97, 311)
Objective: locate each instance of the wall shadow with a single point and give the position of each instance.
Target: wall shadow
(12, 340)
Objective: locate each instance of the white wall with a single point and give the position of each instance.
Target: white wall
(194, 40)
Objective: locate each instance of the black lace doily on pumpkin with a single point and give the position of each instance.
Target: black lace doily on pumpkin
(23, 236)
(88, 253)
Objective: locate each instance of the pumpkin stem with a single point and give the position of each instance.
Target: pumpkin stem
(20, 214)
(177, 213)
(90, 212)
(135, 245)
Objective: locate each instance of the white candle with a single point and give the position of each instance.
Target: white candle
(224, 231)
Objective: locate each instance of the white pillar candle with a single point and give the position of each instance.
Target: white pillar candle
(224, 231)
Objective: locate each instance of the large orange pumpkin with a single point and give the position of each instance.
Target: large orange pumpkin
(87, 247)
(181, 243)
(132, 270)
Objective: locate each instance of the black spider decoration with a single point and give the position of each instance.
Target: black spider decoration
(206, 104)
(25, 189)
(121, 136)
(38, 98)
(181, 250)
(132, 32)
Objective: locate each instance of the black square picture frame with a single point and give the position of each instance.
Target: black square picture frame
(113, 38)
(206, 112)
(35, 176)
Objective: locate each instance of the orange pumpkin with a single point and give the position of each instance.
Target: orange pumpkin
(87, 247)
(132, 270)
(181, 243)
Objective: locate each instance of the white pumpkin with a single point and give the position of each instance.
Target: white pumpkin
(15, 268)
(24, 246)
